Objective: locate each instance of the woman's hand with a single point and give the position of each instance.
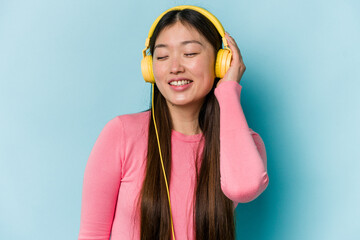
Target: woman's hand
(237, 66)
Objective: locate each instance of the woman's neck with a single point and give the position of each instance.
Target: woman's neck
(185, 118)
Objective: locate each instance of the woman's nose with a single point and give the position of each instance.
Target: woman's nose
(176, 65)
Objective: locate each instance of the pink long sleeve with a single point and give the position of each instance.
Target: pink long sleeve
(101, 184)
(243, 163)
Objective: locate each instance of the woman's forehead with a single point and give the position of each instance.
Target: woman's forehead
(179, 33)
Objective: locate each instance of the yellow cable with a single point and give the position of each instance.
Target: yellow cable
(162, 164)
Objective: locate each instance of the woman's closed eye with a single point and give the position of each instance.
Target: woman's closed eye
(190, 54)
(161, 58)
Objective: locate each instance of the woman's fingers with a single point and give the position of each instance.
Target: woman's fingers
(237, 66)
(233, 46)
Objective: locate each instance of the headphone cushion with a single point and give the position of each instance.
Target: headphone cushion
(222, 64)
(147, 69)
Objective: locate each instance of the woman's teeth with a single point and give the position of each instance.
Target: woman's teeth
(180, 82)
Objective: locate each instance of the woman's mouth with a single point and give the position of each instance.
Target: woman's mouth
(180, 82)
(180, 85)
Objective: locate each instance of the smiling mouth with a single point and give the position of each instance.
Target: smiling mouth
(180, 82)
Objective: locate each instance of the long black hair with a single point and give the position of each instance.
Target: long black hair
(213, 211)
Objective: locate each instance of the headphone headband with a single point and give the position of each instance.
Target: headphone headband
(204, 12)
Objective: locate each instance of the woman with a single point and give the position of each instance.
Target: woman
(212, 159)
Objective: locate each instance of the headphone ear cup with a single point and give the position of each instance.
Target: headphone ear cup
(223, 60)
(147, 69)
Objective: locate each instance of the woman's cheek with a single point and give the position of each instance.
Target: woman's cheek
(196, 65)
(157, 70)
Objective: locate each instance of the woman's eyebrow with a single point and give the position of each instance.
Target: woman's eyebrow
(160, 46)
(182, 43)
(191, 41)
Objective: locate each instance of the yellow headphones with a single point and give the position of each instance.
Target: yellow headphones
(222, 64)
(223, 57)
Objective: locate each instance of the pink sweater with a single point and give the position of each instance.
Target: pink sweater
(115, 170)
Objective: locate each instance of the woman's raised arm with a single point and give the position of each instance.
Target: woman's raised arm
(243, 166)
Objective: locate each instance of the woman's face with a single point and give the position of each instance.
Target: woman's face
(183, 65)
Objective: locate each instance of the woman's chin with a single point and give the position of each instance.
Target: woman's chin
(184, 103)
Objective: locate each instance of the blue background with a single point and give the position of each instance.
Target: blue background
(68, 67)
